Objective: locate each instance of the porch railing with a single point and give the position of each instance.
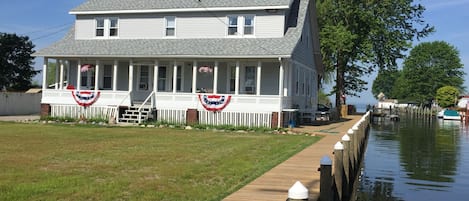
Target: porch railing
(150, 97)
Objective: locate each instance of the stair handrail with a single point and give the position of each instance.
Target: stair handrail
(141, 106)
(122, 101)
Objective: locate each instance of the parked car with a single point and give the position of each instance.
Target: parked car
(323, 108)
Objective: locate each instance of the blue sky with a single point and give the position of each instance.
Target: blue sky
(46, 21)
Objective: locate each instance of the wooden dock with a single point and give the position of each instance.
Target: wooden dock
(303, 167)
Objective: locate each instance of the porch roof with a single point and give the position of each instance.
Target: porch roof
(121, 5)
(184, 48)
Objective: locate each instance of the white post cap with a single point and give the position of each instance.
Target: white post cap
(298, 191)
(339, 146)
(350, 132)
(346, 138)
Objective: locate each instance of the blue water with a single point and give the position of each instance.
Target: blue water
(416, 160)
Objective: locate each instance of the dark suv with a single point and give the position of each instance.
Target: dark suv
(323, 108)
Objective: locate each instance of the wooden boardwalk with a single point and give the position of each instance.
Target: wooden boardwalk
(303, 167)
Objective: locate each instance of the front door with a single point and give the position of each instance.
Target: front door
(144, 83)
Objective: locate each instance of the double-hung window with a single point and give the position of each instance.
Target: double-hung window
(107, 77)
(232, 25)
(107, 27)
(170, 23)
(249, 25)
(100, 27)
(242, 25)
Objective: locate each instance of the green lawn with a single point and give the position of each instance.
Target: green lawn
(68, 162)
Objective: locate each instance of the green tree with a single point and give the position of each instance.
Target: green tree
(16, 70)
(385, 82)
(447, 96)
(430, 66)
(359, 36)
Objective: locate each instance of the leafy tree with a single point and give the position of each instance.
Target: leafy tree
(16, 70)
(359, 36)
(447, 96)
(385, 82)
(430, 66)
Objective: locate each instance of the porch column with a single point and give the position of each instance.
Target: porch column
(78, 75)
(61, 79)
(280, 80)
(155, 76)
(44, 73)
(259, 71)
(57, 64)
(114, 75)
(175, 77)
(237, 79)
(194, 77)
(280, 92)
(96, 76)
(215, 78)
(131, 75)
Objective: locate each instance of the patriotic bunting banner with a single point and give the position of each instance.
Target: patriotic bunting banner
(214, 103)
(85, 98)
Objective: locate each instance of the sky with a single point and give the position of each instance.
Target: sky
(46, 21)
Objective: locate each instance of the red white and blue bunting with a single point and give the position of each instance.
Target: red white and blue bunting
(214, 103)
(85, 98)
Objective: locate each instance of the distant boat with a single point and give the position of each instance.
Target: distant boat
(451, 115)
(440, 114)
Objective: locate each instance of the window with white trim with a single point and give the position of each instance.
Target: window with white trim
(107, 77)
(107, 27)
(249, 25)
(240, 25)
(232, 25)
(100, 27)
(170, 24)
(162, 78)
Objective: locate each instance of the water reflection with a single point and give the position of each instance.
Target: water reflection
(416, 159)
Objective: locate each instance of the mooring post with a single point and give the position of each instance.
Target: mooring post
(298, 192)
(325, 180)
(339, 169)
(353, 149)
(346, 162)
(356, 132)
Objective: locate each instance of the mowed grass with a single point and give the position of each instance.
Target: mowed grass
(68, 162)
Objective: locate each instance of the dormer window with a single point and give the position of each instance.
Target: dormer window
(170, 23)
(107, 27)
(240, 25)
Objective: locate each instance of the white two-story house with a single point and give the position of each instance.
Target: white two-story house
(233, 62)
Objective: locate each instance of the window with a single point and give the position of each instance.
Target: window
(107, 27)
(170, 26)
(241, 25)
(107, 78)
(161, 78)
(100, 27)
(179, 79)
(250, 80)
(113, 27)
(233, 25)
(248, 25)
(233, 78)
(144, 78)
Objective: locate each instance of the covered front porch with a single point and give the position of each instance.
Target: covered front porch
(259, 86)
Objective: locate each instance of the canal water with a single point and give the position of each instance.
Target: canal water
(416, 160)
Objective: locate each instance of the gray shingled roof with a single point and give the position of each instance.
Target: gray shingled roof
(158, 48)
(108, 5)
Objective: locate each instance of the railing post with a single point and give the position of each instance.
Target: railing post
(353, 149)
(339, 168)
(325, 180)
(346, 163)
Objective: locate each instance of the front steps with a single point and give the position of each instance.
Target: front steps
(132, 116)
